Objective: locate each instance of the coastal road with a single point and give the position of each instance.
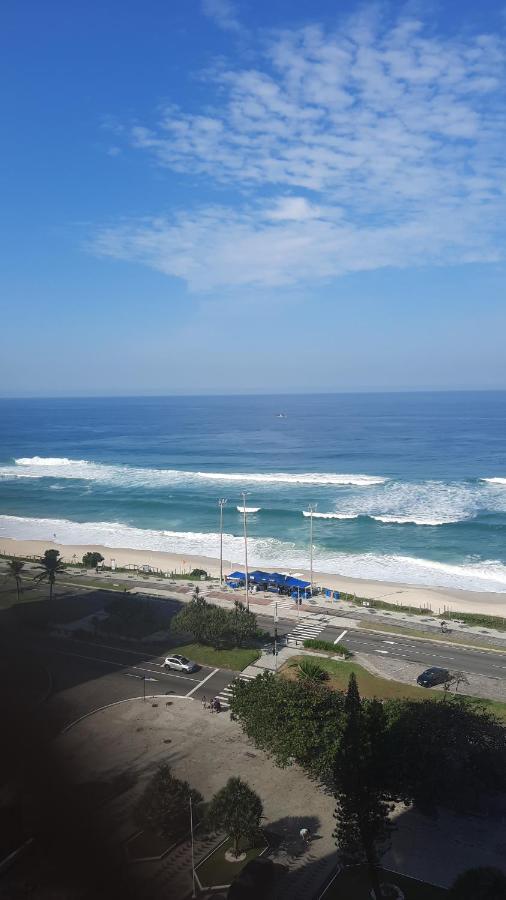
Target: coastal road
(425, 652)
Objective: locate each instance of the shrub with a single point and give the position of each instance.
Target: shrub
(315, 644)
(309, 670)
(92, 559)
(198, 573)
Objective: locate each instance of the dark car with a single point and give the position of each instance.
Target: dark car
(433, 676)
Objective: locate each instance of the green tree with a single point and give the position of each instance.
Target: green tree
(217, 626)
(289, 722)
(192, 618)
(445, 754)
(14, 569)
(482, 883)
(309, 671)
(243, 624)
(237, 810)
(164, 807)
(51, 565)
(92, 559)
(362, 823)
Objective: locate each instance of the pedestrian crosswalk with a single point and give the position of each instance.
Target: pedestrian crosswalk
(309, 627)
(283, 604)
(226, 693)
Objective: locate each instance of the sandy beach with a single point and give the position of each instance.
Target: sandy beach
(438, 599)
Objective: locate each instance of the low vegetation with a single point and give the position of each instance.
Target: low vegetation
(308, 670)
(234, 658)
(328, 646)
(92, 559)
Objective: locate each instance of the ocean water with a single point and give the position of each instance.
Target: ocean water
(408, 487)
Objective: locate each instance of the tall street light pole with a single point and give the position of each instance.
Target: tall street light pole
(312, 508)
(221, 504)
(244, 495)
(194, 894)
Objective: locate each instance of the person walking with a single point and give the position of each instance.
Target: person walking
(204, 702)
(305, 835)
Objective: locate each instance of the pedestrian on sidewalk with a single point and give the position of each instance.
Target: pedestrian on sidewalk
(204, 702)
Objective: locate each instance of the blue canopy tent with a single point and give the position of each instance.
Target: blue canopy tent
(290, 581)
(259, 577)
(236, 577)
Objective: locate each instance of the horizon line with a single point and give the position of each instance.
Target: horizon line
(254, 393)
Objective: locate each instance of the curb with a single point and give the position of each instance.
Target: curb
(118, 703)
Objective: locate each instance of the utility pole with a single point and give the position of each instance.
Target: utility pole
(221, 504)
(276, 636)
(194, 893)
(244, 495)
(312, 508)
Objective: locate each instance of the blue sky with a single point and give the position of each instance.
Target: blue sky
(278, 195)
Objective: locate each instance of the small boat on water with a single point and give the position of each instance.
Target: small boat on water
(281, 416)
(248, 509)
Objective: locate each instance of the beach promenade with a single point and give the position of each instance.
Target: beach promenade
(438, 599)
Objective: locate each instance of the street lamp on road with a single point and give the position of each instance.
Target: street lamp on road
(244, 495)
(312, 509)
(194, 894)
(221, 504)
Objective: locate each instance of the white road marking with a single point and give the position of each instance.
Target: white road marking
(131, 675)
(388, 642)
(381, 651)
(340, 637)
(109, 662)
(202, 682)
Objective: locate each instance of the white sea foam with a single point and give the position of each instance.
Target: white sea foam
(55, 467)
(414, 520)
(329, 515)
(496, 480)
(429, 503)
(472, 574)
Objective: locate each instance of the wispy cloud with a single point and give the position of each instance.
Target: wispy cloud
(223, 13)
(374, 145)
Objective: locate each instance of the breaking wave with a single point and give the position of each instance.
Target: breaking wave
(56, 467)
(472, 574)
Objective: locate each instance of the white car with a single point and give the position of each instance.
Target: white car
(180, 664)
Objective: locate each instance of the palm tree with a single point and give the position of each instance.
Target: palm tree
(14, 569)
(310, 671)
(51, 566)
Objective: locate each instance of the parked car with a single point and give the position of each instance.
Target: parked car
(433, 676)
(180, 664)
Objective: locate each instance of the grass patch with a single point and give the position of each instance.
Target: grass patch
(371, 685)
(497, 622)
(383, 604)
(216, 870)
(236, 658)
(354, 884)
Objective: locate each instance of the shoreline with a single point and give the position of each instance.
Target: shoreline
(438, 598)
